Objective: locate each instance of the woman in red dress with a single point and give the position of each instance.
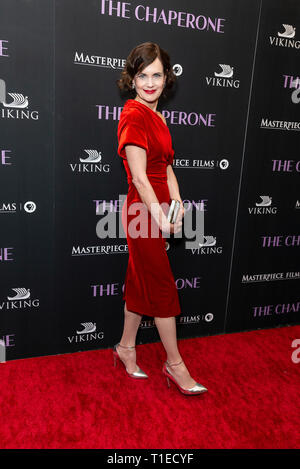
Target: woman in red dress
(145, 145)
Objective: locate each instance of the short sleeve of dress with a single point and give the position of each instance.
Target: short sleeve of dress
(171, 157)
(131, 131)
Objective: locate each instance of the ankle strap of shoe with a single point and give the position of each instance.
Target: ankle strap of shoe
(174, 364)
(123, 346)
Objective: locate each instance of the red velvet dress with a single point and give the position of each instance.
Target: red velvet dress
(149, 282)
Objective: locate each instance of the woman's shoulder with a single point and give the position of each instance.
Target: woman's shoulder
(132, 114)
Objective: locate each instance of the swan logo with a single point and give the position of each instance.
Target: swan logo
(93, 157)
(227, 71)
(92, 163)
(289, 31)
(208, 241)
(21, 299)
(223, 78)
(15, 107)
(266, 200)
(20, 294)
(87, 327)
(285, 38)
(263, 207)
(207, 245)
(87, 333)
(18, 101)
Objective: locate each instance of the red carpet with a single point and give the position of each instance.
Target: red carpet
(81, 401)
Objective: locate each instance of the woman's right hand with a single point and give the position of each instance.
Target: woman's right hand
(168, 227)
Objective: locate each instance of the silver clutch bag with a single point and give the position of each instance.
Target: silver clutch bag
(173, 211)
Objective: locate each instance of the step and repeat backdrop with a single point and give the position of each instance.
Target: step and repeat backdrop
(235, 124)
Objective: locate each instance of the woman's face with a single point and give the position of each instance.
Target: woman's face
(152, 79)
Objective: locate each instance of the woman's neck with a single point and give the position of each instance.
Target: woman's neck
(152, 106)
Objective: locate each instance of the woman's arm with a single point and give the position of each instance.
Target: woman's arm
(173, 184)
(173, 187)
(172, 180)
(137, 162)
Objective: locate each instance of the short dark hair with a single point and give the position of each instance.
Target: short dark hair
(138, 59)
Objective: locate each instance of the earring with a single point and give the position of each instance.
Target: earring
(133, 85)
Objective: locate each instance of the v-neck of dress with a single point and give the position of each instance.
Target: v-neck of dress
(147, 107)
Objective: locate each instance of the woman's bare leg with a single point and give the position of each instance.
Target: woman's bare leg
(167, 331)
(131, 324)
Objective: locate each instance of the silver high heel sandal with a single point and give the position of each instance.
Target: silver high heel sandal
(197, 389)
(138, 373)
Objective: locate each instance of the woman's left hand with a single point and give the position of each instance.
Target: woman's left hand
(181, 211)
